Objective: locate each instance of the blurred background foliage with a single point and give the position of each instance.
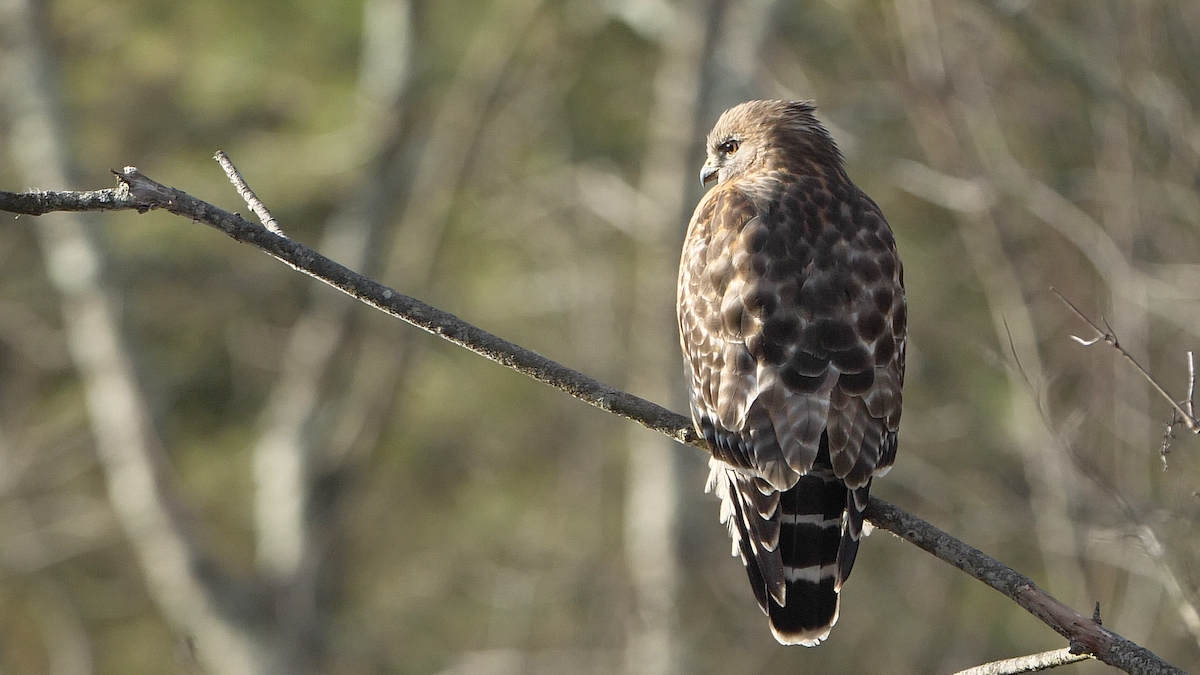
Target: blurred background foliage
(530, 165)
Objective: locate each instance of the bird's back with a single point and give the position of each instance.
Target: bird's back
(792, 321)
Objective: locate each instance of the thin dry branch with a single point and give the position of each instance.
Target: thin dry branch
(39, 202)
(260, 209)
(1027, 664)
(1191, 395)
(1084, 633)
(1106, 334)
(138, 192)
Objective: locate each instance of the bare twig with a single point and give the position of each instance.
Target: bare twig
(37, 202)
(1191, 395)
(1164, 448)
(1106, 334)
(1189, 404)
(143, 194)
(260, 209)
(1027, 664)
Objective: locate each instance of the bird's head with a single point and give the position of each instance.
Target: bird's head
(758, 135)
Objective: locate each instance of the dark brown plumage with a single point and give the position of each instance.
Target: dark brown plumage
(792, 319)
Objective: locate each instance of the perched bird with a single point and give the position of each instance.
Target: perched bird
(792, 319)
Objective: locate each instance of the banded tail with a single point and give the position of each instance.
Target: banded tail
(798, 546)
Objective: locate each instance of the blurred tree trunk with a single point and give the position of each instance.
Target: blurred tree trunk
(651, 503)
(224, 620)
(298, 496)
(407, 254)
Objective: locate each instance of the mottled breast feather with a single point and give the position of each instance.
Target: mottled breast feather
(792, 319)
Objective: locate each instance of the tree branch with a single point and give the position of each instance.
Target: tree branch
(138, 192)
(37, 202)
(1027, 664)
(1085, 634)
(1106, 334)
(260, 209)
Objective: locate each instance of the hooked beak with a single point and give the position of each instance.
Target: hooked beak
(708, 174)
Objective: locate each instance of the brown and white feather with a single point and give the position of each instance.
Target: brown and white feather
(792, 319)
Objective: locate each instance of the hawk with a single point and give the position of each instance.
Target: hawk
(792, 319)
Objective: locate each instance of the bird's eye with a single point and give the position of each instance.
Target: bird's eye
(728, 147)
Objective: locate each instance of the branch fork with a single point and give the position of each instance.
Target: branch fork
(1183, 413)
